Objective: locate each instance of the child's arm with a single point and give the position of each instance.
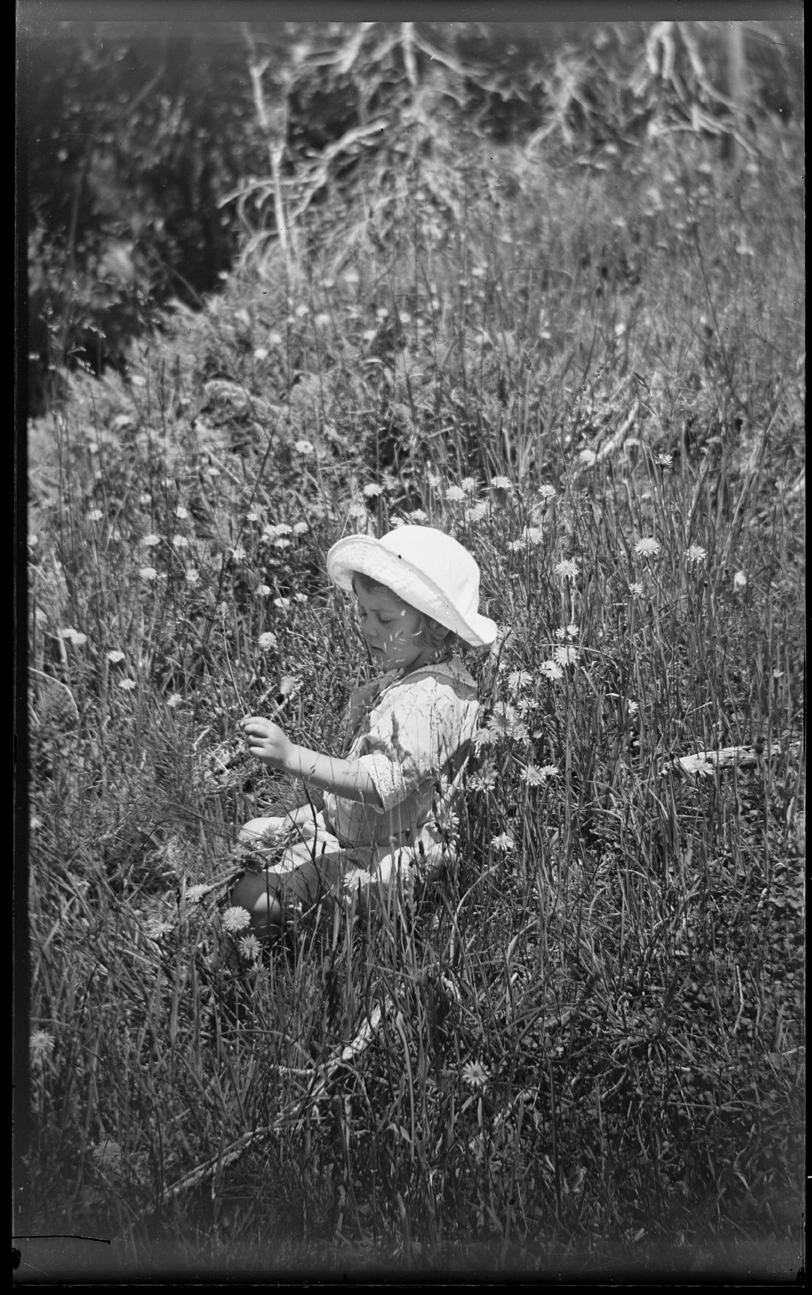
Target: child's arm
(346, 778)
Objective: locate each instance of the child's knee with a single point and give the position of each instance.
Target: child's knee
(253, 893)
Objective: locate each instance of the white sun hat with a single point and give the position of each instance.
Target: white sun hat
(425, 567)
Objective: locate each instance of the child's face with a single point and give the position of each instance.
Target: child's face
(392, 630)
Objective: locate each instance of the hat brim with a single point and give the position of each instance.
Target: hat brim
(367, 556)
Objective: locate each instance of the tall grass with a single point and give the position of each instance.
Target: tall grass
(585, 1047)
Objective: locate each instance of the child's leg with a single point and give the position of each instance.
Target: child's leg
(257, 892)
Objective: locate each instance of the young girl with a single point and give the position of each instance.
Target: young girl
(385, 802)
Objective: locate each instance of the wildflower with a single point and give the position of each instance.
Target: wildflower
(434, 479)
(357, 510)
(263, 590)
(174, 700)
(181, 512)
(532, 775)
(372, 490)
(76, 637)
(195, 893)
(476, 512)
(647, 547)
(238, 554)
(503, 842)
(300, 598)
(549, 770)
(148, 573)
(282, 528)
(445, 819)
(664, 460)
(501, 483)
(107, 1154)
(551, 669)
(300, 528)
(126, 685)
(567, 570)
(156, 928)
(417, 515)
(236, 919)
(566, 655)
(281, 543)
(274, 338)
(33, 541)
(505, 722)
(518, 679)
(455, 494)
(469, 485)
(740, 580)
(267, 641)
(149, 541)
(547, 491)
(145, 499)
(290, 684)
(475, 1075)
(261, 353)
(572, 630)
(35, 823)
(482, 737)
(533, 535)
(696, 553)
(281, 603)
(192, 576)
(484, 780)
(636, 589)
(633, 707)
(115, 656)
(250, 947)
(587, 457)
(95, 515)
(516, 546)
(302, 310)
(41, 1044)
(322, 320)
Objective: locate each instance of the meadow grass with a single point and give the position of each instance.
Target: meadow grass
(583, 1051)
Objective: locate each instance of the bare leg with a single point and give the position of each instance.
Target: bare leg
(255, 892)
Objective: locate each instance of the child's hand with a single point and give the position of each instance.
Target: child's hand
(267, 741)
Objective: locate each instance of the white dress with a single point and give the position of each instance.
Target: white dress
(411, 733)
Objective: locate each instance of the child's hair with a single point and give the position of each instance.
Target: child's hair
(434, 634)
